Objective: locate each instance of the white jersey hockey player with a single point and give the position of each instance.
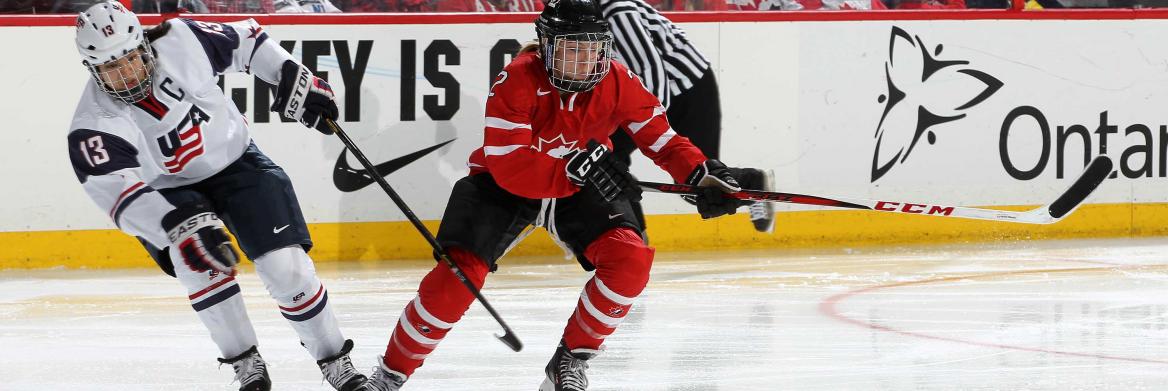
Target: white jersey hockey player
(160, 149)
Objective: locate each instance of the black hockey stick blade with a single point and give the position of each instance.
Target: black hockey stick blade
(1094, 175)
(510, 340)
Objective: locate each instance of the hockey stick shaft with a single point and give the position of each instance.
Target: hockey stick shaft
(508, 336)
(1094, 175)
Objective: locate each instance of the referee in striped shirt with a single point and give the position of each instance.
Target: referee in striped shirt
(681, 77)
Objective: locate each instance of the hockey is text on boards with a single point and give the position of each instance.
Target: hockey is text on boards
(354, 63)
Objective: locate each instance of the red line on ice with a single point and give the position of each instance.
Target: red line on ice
(828, 307)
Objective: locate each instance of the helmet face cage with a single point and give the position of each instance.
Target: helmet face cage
(127, 74)
(576, 62)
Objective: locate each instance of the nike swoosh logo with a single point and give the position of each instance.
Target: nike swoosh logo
(541, 92)
(610, 217)
(281, 229)
(349, 179)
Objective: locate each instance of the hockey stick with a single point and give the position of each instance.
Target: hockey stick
(508, 336)
(1088, 181)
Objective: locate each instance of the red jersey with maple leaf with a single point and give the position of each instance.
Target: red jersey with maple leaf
(530, 128)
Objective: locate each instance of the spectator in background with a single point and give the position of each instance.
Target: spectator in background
(305, 6)
(416, 5)
(1045, 4)
(798, 5)
(239, 6)
(169, 6)
(927, 4)
(988, 4)
(762, 5)
(388, 5)
(202, 6)
(490, 5)
(690, 5)
(26, 7)
(44, 6)
(367, 5)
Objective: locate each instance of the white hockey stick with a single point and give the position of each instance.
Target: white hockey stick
(1094, 175)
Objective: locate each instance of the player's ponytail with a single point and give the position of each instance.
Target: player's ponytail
(532, 46)
(157, 32)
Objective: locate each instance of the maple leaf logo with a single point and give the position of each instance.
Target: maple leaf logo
(939, 96)
(556, 147)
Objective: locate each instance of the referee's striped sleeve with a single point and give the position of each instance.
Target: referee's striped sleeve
(636, 47)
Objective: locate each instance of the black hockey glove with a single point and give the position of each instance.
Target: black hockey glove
(304, 97)
(715, 180)
(595, 169)
(200, 238)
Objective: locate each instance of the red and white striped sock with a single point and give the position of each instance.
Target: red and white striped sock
(622, 263)
(441, 302)
(598, 312)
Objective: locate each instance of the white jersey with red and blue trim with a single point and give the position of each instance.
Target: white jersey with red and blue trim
(185, 131)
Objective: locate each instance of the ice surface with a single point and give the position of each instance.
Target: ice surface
(1062, 315)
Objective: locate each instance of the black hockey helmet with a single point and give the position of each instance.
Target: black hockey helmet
(577, 31)
(570, 17)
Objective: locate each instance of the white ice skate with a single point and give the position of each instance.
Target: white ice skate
(250, 370)
(385, 379)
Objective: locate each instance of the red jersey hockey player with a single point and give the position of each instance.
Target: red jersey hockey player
(545, 162)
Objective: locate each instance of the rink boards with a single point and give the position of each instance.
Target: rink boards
(978, 112)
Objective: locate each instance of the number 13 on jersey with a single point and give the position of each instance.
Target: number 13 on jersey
(94, 151)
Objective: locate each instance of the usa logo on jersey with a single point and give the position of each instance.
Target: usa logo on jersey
(183, 144)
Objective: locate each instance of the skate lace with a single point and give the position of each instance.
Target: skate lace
(249, 369)
(572, 373)
(339, 371)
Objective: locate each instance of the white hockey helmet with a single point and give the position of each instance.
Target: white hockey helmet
(109, 33)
